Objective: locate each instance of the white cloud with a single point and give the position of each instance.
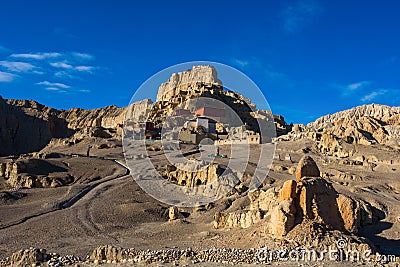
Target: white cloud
(16, 66)
(55, 89)
(53, 85)
(62, 65)
(64, 75)
(38, 72)
(240, 63)
(373, 95)
(65, 65)
(52, 89)
(82, 56)
(61, 88)
(352, 88)
(358, 85)
(73, 56)
(37, 56)
(6, 77)
(298, 15)
(84, 91)
(274, 74)
(85, 68)
(68, 69)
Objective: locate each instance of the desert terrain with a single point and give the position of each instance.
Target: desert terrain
(69, 186)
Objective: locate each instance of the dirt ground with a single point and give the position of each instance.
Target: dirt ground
(113, 209)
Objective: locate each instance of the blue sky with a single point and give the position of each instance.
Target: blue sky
(309, 57)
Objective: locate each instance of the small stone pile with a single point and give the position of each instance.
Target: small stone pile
(57, 260)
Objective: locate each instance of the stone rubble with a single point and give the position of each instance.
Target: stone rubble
(36, 257)
(116, 255)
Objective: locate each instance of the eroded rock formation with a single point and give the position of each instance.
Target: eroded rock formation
(197, 75)
(309, 198)
(29, 257)
(27, 126)
(365, 124)
(202, 81)
(195, 176)
(174, 214)
(237, 219)
(108, 252)
(337, 134)
(307, 168)
(34, 173)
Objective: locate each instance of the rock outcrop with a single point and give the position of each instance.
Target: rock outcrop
(9, 196)
(262, 205)
(330, 144)
(355, 213)
(282, 218)
(367, 124)
(307, 168)
(108, 117)
(317, 201)
(281, 126)
(29, 257)
(312, 198)
(198, 74)
(106, 253)
(358, 117)
(34, 173)
(195, 176)
(174, 214)
(237, 219)
(288, 191)
(27, 126)
(308, 199)
(336, 134)
(188, 90)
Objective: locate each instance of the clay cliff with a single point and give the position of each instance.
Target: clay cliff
(367, 124)
(27, 126)
(337, 134)
(108, 117)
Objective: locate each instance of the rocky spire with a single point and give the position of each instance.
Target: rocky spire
(198, 74)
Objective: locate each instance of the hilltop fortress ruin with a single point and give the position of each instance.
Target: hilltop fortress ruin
(198, 97)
